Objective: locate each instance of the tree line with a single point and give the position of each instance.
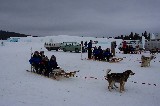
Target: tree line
(135, 36)
(4, 35)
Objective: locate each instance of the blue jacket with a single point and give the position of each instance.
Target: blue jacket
(96, 51)
(106, 53)
(35, 60)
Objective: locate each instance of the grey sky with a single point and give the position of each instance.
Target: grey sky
(80, 17)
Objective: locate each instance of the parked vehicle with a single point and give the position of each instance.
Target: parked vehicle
(71, 46)
(133, 43)
(52, 46)
(13, 39)
(152, 44)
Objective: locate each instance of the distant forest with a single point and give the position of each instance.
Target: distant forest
(4, 35)
(135, 36)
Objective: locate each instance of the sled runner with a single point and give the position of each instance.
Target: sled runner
(57, 74)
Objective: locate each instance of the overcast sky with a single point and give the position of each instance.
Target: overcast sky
(80, 17)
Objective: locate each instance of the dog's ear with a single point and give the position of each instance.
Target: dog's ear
(108, 69)
(128, 71)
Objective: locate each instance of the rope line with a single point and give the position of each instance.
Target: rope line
(95, 78)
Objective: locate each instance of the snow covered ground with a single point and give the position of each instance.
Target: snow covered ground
(21, 88)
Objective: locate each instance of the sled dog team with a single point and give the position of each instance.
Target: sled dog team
(40, 64)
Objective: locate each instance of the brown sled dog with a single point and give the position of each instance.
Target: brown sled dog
(70, 74)
(117, 78)
(146, 60)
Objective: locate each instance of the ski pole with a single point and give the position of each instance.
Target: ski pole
(31, 57)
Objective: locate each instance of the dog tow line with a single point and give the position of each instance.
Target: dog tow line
(95, 78)
(143, 83)
(89, 77)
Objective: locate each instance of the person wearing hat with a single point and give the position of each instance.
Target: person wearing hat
(44, 67)
(90, 49)
(53, 63)
(35, 61)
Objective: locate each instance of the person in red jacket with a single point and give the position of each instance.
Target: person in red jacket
(124, 47)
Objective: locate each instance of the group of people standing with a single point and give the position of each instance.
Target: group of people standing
(42, 65)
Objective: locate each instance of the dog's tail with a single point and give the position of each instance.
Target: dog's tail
(142, 57)
(77, 71)
(152, 57)
(107, 72)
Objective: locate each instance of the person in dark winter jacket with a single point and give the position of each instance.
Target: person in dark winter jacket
(95, 53)
(90, 49)
(85, 46)
(35, 60)
(52, 63)
(44, 66)
(107, 54)
(100, 54)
